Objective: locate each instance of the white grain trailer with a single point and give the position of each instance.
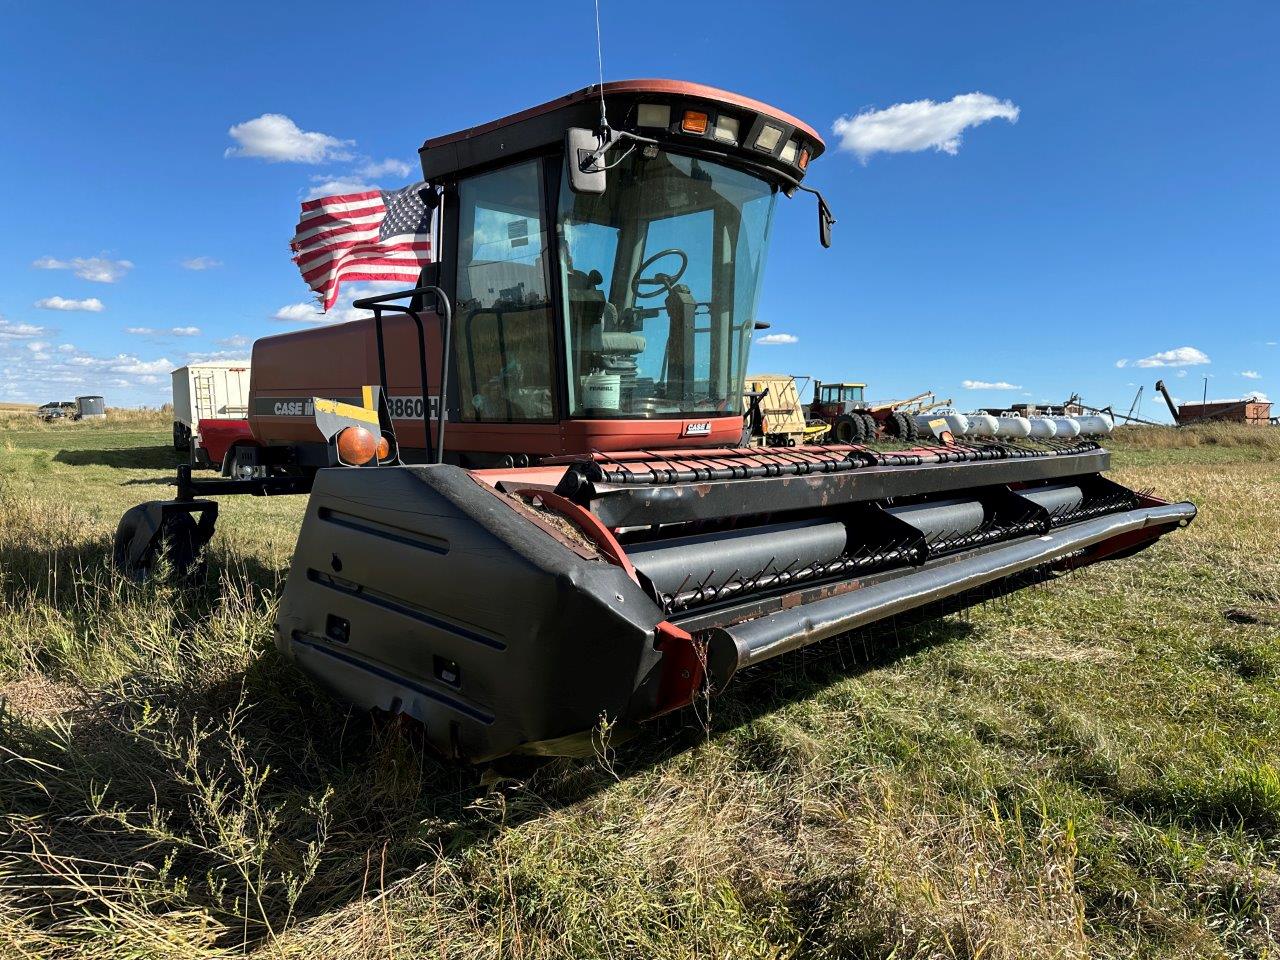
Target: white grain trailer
(208, 391)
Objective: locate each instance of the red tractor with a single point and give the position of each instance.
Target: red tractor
(853, 420)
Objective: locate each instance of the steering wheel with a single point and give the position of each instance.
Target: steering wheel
(662, 281)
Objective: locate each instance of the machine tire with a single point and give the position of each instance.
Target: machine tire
(849, 428)
(896, 426)
(913, 429)
(870, 427)
(177, 537)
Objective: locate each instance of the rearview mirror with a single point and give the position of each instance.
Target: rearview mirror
(586, 166)
(825, 222)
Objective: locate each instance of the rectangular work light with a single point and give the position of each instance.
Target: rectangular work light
(768, 138)
(654, 115)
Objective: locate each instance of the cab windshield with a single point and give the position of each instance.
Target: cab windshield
(661, 274)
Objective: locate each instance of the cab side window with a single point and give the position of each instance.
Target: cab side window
(505, 346)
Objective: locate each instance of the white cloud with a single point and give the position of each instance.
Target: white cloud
(334, 188)
(1182, 373)
(127, 364)
(771, 338)
(276, 138)
(171, 332)
(201, 263)
(43, 367)
(300, 313)
(342, 310)
(919, 125)
(92, 304)
(235, 340)
(18, 331)
(97, 269)
(989, 385)
(1255, 395)
(206, 355)
(1177, 357)
(1251, 374)
(381, 168)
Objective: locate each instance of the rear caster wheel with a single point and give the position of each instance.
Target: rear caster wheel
(146, 534)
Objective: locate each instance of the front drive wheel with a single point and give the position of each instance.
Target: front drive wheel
(849, 428)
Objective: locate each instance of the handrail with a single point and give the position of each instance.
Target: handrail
(444, 310)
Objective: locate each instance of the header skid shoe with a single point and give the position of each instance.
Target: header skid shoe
(510, 616)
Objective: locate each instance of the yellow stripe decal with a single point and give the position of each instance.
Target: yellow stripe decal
(346, 410)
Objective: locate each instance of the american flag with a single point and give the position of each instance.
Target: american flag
(375, 235)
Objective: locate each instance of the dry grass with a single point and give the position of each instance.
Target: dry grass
(1085, 769)
(1203, 435)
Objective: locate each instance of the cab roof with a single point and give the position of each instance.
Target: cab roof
(446, 156)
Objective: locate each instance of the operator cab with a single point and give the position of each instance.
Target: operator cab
(609, 273)
(834, 393)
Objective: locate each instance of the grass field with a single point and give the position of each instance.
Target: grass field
(1090, 768)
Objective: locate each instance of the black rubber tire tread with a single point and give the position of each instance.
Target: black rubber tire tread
(178, 536)
(848, 428)
(872, 428)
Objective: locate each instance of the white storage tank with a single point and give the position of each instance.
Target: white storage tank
(982, 425)
(91, 408)
(1095, 425)
(1067, 426)
(1043, 428)
(952, 420)
(1012, 426)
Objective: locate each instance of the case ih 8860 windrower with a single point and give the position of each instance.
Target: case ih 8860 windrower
(592, 538)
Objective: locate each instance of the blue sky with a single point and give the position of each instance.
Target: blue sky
(1129, 214)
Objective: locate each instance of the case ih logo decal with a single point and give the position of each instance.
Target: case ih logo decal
(699, 428)
(298, 408)
(402, 408)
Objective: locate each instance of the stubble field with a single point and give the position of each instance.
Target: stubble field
(1089, 768)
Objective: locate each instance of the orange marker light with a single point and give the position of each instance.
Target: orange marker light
(384, 448)
(356, 446)
(804, 158)
(694, 122)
